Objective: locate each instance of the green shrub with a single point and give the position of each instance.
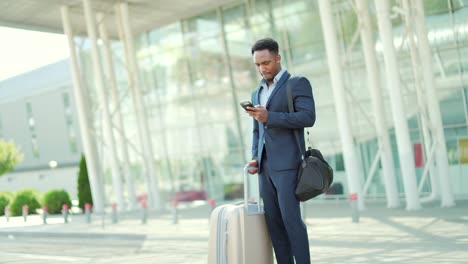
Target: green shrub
(25, 197)
(55, 199)
(84, 189)
(4, 201)
(233, 191)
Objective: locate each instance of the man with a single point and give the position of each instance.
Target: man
(275, 153)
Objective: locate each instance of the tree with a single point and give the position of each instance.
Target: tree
(84, 189)
(10, 155)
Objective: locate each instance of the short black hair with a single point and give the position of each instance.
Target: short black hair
(266, 43)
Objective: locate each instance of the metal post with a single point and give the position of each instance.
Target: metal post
(433, 106)
(7, 213)
(44, 214)
(89, 145)
(65, 213)
(88, 212)
(114, 213)
(353, 199)
(373, 80)
(99, 83)
(212, 205)
(138, 103)
(144, 212)
(394, 89)
(25, 211)
(175, 213)
(336, 75)
(112, 81)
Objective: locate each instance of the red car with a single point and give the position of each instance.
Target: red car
(188, 195)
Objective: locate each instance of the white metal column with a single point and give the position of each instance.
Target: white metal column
(336, 75)
(112, 81)
(89, 146)
(99, 82)
(422, 108)
(433, 106)
(373, 80)
(394, 89)
(143, 128)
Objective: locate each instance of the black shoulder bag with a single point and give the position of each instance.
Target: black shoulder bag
(315, 175)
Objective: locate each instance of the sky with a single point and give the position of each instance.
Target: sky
(23, 50)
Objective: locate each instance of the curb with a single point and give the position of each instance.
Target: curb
(118, 236)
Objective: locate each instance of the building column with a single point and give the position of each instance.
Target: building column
(123, 17)
(405, 151)
(99, 83)
(423, 117)
(89, 146)
(228, 66)
(112, 81)
(211, 183)
(373, 80)
(336, 75)
(435, 118)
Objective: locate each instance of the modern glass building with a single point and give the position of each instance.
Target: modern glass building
(194, 70)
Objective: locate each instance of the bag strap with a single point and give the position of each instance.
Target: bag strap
(291, 110)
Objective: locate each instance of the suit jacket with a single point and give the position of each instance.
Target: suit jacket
(277, 133)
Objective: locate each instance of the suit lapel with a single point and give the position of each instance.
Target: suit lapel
(256, 96)
(279, 86)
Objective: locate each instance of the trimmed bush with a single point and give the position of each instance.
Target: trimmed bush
(84, 189)
(4, 201)
(25, 197)
(233, 191)
(55, 199)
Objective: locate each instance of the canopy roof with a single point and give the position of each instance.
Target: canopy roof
(44, 15)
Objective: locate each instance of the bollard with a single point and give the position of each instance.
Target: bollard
(45, 212)
(114, 213)
(25, 212)
(65, 213)
(7, 213)
(88, 212)
(212, 204)
(144, 211)
(354, 207)
(175, 217)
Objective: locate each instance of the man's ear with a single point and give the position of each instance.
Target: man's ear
(278, 58)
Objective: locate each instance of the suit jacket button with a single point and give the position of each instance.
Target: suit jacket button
(265, 127)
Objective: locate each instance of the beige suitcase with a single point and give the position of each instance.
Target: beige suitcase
(238, 233)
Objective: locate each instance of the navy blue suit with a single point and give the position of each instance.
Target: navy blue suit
(275, 148)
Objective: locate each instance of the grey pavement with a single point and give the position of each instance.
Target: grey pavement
(429, 235)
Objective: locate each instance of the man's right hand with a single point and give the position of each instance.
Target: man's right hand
(253, 166)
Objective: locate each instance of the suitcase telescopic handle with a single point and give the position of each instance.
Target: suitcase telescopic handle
(246, 195)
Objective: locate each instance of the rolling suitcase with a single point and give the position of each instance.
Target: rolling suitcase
(238, 233)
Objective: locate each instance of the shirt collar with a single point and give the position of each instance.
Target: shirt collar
(276, 79)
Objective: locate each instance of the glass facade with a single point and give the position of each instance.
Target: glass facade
(195, 72)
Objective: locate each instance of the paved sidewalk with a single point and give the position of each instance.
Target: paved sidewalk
(429, 235)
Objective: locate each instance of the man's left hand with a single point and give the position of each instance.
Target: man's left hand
(259, 113)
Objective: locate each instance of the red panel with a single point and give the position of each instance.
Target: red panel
(418, 155)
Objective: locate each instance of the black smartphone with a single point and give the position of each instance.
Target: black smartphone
(246, 104)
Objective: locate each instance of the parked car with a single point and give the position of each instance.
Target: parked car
(187, 193)
(190, 195)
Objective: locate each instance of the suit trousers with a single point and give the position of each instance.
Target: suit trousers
(283, 215)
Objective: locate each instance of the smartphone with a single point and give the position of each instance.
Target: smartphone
(246, 104)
